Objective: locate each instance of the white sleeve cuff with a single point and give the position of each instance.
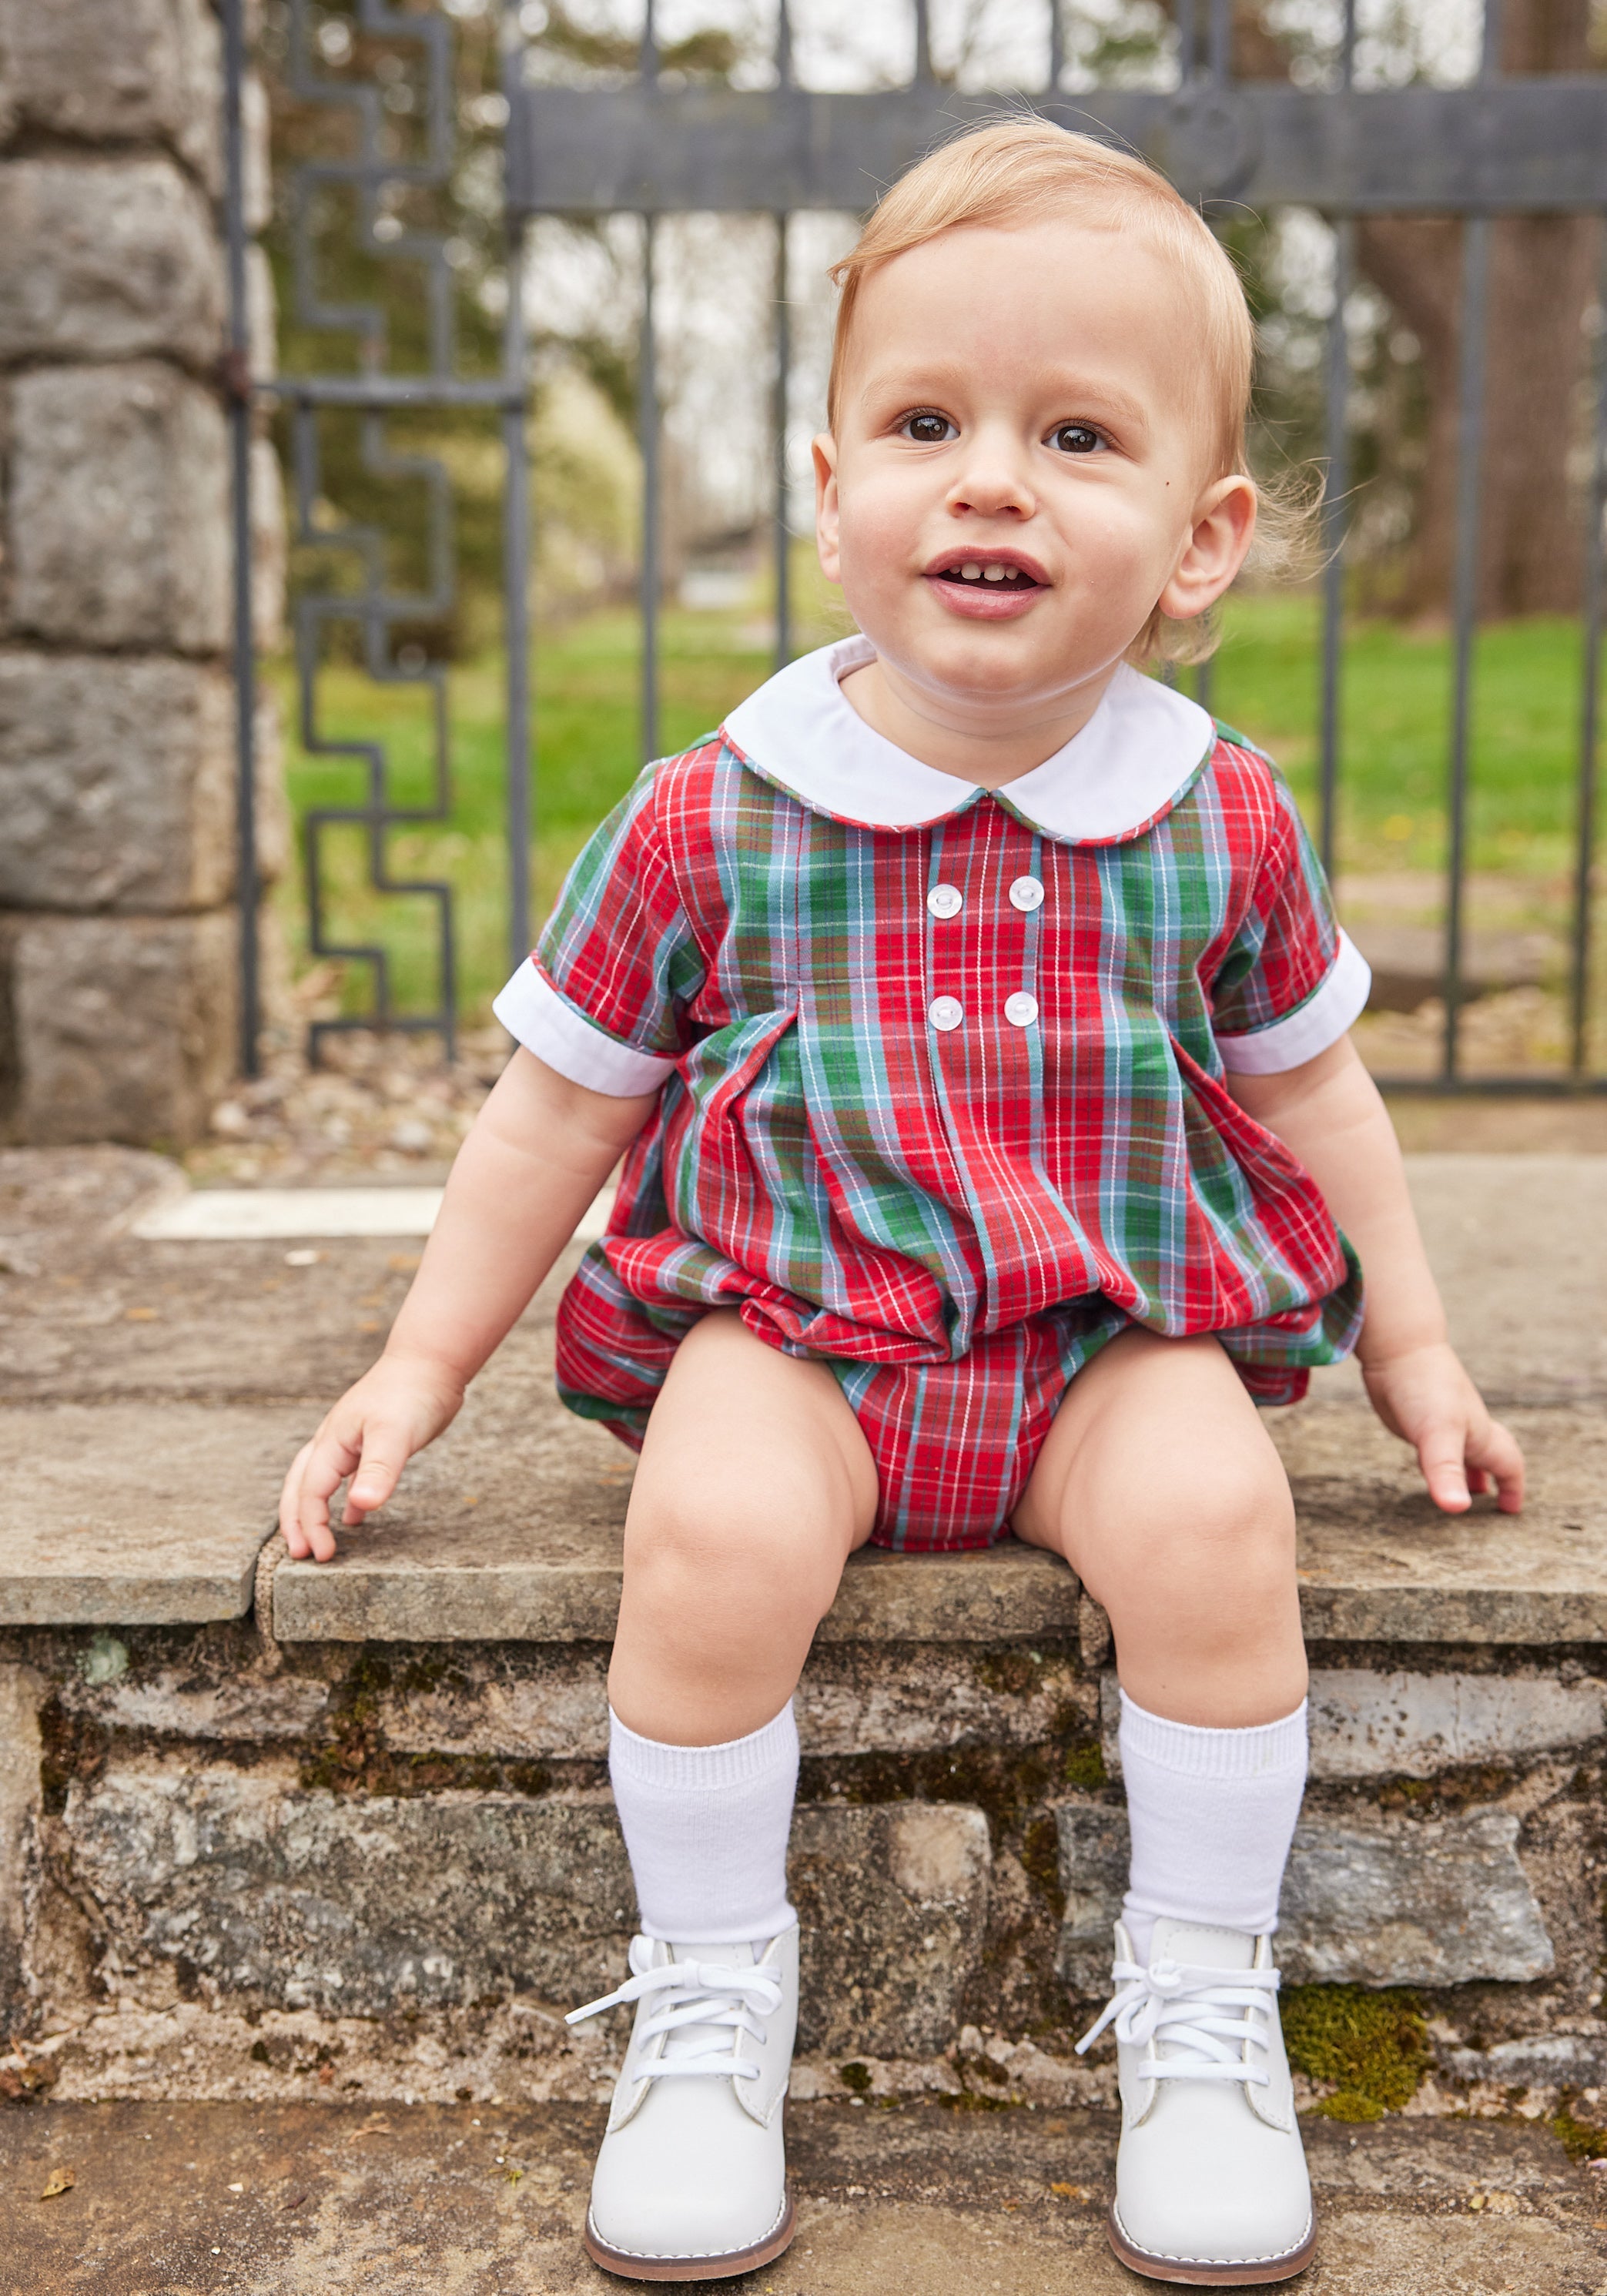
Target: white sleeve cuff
(1333, 1005)
(531, 1010)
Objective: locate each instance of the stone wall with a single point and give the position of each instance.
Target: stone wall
(236, 1867)
(118, 930)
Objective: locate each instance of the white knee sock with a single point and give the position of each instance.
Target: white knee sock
(706, 1831)
(1211, 1814)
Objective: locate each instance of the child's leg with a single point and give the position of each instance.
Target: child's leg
(1163, 1491)
(755, 1485)
(1159, 1485)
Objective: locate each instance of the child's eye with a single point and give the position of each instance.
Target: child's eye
(1077, 439)
(927, 429)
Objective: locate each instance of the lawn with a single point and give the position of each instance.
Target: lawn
(1396, 716)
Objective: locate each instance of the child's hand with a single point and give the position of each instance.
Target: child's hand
(393, 1411)
(1425, 1397)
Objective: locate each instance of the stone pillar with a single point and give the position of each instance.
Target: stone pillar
(118, 924)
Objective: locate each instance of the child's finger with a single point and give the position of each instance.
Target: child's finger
(330, 1460)
(1495, 1452)
(1441, 1453)
(379, 1469)
(290, 1505)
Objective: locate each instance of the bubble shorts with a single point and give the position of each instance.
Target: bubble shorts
(953, 1442)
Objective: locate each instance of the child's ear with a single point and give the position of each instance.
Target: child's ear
(1225, 522)
(824, 448)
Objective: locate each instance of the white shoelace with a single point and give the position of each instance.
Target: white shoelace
(1204, 2015)
(696, 1993)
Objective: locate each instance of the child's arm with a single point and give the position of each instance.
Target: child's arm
(540, 1149)
(1332, 1115)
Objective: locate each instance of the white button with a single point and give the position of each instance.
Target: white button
(947, 1011)
(945, 900)
(1027, 893)
(1021, 1010)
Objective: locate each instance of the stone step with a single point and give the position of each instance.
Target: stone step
(262, 1822)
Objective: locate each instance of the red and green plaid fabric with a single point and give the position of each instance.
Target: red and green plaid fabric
(874, 1188)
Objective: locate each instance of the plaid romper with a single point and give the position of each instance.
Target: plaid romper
(941, 1073)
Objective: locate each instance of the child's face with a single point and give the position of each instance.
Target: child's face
(1029, 405)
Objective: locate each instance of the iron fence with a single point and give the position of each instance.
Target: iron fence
(652, 147)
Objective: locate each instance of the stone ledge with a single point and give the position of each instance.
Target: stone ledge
(116, 1515)
(511, 1530)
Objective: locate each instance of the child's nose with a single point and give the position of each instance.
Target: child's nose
(993, 483)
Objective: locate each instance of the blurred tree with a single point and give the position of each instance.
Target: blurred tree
(1540, 291)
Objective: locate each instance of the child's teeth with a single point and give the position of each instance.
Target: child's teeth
(993, 573)
(971, 572)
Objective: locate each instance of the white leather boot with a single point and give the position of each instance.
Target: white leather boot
(690, 2183)
(1211, 2189)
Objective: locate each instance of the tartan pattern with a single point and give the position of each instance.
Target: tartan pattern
(962, 1210)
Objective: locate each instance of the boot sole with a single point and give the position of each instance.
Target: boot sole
(693, 2267)
(1209, 2275)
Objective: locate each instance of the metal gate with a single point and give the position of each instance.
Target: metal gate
(654, 146)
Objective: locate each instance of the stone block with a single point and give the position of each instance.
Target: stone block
(502, 1572)
(117, 1693)
(145, 70)
(1377, 1562)
(354, 1907)
(1370, 1899)
(892, 1902)
(119, 510)
(120, 1028)
(530, 1703)
(1369, 1724)
(1562, 2061)
(111, 261)
(137, 1515)
(20, 1692)
(117, 782)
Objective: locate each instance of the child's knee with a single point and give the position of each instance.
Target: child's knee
(684, 1549)
(1218, 1524)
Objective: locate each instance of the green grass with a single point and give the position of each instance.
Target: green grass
(1396, 705)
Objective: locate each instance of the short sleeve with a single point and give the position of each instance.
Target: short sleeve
(604, 998)
(1292, 982)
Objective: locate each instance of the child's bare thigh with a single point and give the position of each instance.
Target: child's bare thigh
(1159, 1460)
(750, 1449)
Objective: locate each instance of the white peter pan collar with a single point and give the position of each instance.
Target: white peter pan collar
(1128, 765)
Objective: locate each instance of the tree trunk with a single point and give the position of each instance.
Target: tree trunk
(1530, 536)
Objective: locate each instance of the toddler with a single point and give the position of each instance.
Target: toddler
(971, 1018)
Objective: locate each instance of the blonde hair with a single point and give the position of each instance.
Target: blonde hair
(1012, 173)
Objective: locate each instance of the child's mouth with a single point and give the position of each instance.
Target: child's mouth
(973, 573)
(987, 587)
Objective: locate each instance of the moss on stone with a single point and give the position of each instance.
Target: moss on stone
(1085, 1766)
(856, 2075)
(1374, 2047)
(1581, 2140)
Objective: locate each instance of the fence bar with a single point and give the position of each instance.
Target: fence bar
(1469, 439)
(783, 380)
(923, 41)
(1221, 37)
(647, 433)
(1338, 449)
(376, 394)
(783, 44)
(1188, 41)
(1596, 512)
(238, 379)
(1057, 44)
(516, 613)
